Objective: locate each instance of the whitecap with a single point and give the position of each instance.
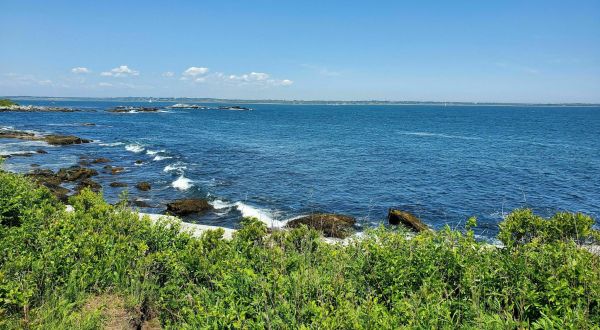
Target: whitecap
(262, 215)
(440, 135)
(182, 183)
(174, 167)
(153, 152)
(159, 158)
(219, 204)
(134, 148)
(114, 144)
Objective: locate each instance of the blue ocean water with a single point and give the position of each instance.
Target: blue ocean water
(444, 164)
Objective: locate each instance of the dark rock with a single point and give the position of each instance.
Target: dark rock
(138, 203)
(188, 206)
(44, 176)
(75, 173)
(34, 165)
(331, 225)
(88, 124)
(101, 160)
(64, 139)
(123, 109)
(21, 154)
(143, 186)
(88, 183)
(116, 170)
(397, 217)
(139, 161)
(118, 184)
(11, 134)
(41, 151)
(61, 193)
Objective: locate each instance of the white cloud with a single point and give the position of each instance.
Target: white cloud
(286, 82)
(121, 71)
(105, 84)
(80, 69)
(27, 79)
(194, 71)
(168, 74)
(252, 76)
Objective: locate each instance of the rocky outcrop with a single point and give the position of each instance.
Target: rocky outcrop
(188, 206)
(143, 186)
(33, 108)
(75, 173)
(331, 225)
(53, 139)
(397, 217)
(88, 183)
(62, 140)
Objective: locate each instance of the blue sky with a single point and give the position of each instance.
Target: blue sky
(499, 51)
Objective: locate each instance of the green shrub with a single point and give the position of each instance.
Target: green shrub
(6, 103)
(53, 263)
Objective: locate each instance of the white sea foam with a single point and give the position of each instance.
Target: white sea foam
(114, 144)
(134, 148)
(182, 183)
(153, 152)
(159, 158)
(440, 135)
(179, 166)
(219, 204)
(262, 215)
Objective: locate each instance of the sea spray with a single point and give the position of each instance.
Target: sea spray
(135, 148)
(262, 215)
(182, 183)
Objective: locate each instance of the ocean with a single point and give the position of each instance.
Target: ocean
(279, 161)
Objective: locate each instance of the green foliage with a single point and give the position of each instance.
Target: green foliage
(53, 263)
(6, 103)
(522, 226)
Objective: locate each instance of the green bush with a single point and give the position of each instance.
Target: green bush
(6, 103)
(55, 266)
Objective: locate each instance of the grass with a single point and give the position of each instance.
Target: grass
(6, 103)
(100, 264)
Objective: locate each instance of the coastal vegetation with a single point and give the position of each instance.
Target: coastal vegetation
(6, 103)
(99, 266)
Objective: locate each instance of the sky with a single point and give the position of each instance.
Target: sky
(479, 51)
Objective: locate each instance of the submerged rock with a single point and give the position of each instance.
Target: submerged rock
(397, 217)
(138, 203)
(118, 184)
(12, 134)
(143, 186)
(101, 160)
(188, 206)
(331, 225)
(41, 151)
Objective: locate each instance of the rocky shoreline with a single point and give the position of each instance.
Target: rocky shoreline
(34, 108)
(72, 180)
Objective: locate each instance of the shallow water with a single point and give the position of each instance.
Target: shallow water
(279, 161)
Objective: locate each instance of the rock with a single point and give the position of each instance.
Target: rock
(331, 225)
(11, 134)
(88, 124)
(143, 186)
(139, 162)
(138, 203)
(41, 151)
(188, 206)
(116, 170)
(118, 184)
(396, 217)
(75, 173)
(44, 176)
(101, 160)
(33, 108)
(58, 191)
(88, 183)
(123, 109)
(34, 165)
(21, 154)
(64, 139)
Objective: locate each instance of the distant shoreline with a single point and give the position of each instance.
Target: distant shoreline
(297, 102)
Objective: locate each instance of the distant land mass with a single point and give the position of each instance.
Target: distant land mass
(274, 101)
